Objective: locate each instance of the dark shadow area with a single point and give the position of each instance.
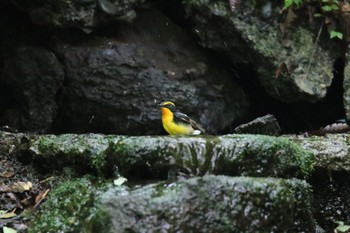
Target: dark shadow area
(174, 10)
(293, 117)
(331, 200)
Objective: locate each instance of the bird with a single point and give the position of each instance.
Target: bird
(177, 123)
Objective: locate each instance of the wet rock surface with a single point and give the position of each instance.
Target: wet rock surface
(142, 159)
(159, 157)
(206, 204)
(247, 205)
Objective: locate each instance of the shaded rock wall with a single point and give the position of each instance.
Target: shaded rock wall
(114, 79)
(123, 77)
(34, 75)
(122, 57)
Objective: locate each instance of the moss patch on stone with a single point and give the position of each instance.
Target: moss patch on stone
(85, 152)
(212, 204)
(68, 207)
(260, 155)
(161, 156)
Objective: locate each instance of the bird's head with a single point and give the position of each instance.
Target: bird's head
(169, 105)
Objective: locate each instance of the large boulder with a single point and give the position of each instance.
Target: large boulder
(113, 84)
(204, 204)
(290, 65)
(164, 157)
(32, 78)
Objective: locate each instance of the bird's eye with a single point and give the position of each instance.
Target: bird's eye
(169, 106)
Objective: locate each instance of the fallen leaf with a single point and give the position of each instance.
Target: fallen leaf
(51, 178)
(41, 196)
(8, 215)
(8, 230)
(14, 198)
(21, 186)
(280, 69)
(4, 189)
(7, 174)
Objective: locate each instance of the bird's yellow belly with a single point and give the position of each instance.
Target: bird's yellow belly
(176, 129)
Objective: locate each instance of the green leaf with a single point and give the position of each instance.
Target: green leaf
(342, 228)
(335, 34)
(298, 2)
(317, 15)
(8, 215)
(334, 7)
(288, 3)
(327, 8)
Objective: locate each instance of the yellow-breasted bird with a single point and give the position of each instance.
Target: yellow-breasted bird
(177, 123)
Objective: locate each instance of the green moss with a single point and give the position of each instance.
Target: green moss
(259, 155)
(213, 204)
(67, 207)
(249, 155)
(85, 151)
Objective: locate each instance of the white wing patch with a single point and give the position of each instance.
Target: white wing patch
(196, 132)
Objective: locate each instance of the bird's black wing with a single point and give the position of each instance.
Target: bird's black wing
(184, 119)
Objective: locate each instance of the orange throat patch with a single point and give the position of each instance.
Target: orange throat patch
(166, 113)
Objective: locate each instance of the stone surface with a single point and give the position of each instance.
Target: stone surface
(84, 14)
(113, 84)
(205, 204)
(296, 71)
(332, 152)
(32, 77)
(266, 125)
(149, 158)
(346, 87)
(164, 157)
(212, 204)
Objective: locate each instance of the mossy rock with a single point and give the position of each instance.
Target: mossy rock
(202, 204)
(69, 206)
(249, 155)
(160, 156)
(85, 152)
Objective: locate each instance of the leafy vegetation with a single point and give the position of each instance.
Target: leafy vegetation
(328, 9)
(288, 3)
